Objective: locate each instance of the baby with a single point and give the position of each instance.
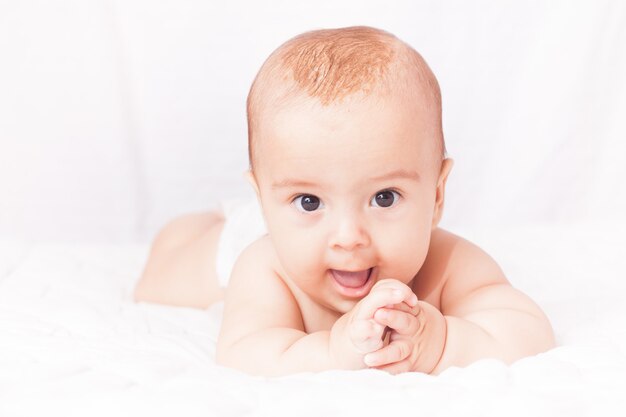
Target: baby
(348, 162)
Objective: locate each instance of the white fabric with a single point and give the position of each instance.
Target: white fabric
(243, 225)
(73, 343)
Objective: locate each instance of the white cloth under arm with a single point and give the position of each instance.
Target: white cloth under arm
(243, 225)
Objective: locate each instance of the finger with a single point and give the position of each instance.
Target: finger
(397, 336)
(379, 298)
(362, 330)
(397, 367)
(382, 297)
(400, 321)
(404, 307)
(395, 284)
(387, 282)
(394, 352)
(367, 335)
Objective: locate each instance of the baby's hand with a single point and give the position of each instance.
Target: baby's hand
(358, 327)
(417, 339)
(365, 332)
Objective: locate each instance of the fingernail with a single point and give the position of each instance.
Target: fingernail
(397, 292)
(414, 299)
(369, 360)
(382, 314)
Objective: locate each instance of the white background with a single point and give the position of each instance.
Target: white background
(116, 116)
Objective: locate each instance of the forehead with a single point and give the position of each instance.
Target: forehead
(345, 141)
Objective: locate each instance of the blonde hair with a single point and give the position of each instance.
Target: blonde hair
(331, 64)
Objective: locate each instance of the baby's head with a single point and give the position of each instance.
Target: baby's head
(325, 68)
(347, 158)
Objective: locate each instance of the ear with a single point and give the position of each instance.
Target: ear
(249, 175)
(446, 167)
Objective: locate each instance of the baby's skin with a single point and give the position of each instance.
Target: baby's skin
(354, 271)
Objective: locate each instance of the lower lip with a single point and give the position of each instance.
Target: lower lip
(354, 292)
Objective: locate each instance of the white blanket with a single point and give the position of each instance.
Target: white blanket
(73, 343)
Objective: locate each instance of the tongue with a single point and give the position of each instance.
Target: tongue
(351, 279)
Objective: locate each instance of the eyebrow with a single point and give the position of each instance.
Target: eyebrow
(399, 173)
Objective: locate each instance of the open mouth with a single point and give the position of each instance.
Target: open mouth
(353, 283)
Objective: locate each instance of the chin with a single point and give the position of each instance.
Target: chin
(343, 306)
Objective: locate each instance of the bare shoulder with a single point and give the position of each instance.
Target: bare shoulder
(468, 268)
(476, 284)
(256, 297)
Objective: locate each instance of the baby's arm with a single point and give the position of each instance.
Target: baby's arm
(262, 321)
(486, 317)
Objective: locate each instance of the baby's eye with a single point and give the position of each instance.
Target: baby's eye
(307, 202)
(385, 198)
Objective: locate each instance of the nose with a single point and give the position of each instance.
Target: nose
(349, 234)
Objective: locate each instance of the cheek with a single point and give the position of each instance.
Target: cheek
(404, 260)
(296, 249)
(403, 248)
